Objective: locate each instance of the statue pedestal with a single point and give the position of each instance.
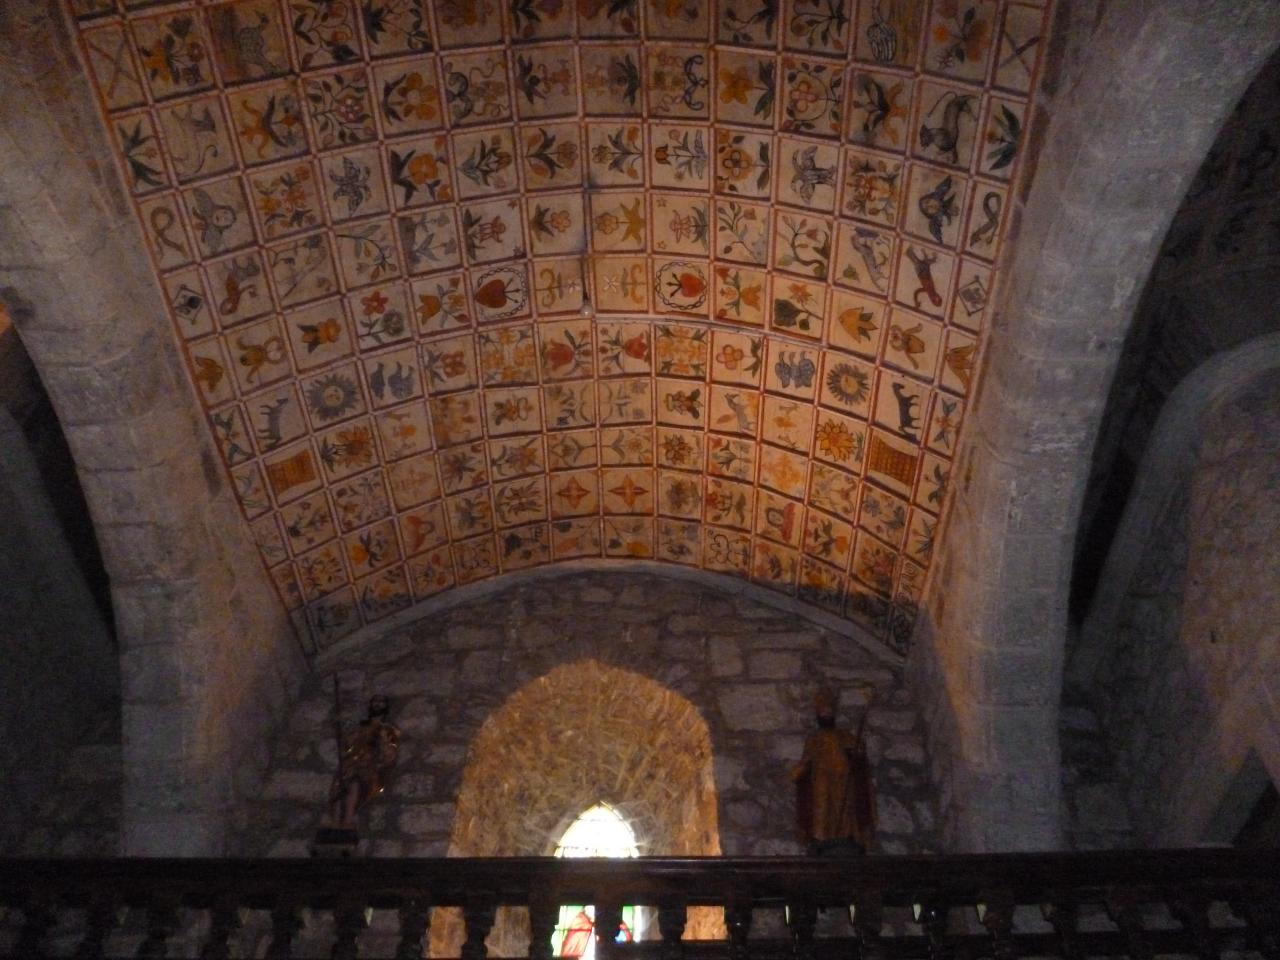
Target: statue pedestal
(335, 842)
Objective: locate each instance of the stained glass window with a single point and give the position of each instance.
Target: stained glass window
(598, 832)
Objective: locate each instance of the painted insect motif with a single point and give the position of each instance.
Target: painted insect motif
(797, 368)
(212, 219)
(808, 175)
(945, 137)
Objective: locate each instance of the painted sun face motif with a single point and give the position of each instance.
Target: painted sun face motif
(332, 396)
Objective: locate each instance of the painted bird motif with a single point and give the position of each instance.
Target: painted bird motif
(808, 176)
(939, 207)
(945, 137)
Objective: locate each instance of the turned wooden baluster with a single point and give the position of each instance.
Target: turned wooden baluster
(737, 919)
(224, 920)
(162, 923)
(932, 918)
(868, 918)
(1260, 909)
(349, 922)
(544, 911)
(286, 921)
(415, 918)
(37, 919)
(1192, 911)
(673, 915)
(1124, 907)
(802, 917)
(997, 916)
(98, 923)
(1062, 913)
(478, 918)
(608, 922)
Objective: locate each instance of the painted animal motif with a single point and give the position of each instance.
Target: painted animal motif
(945, 137)
(906, 342)
(808, 175)
(938, 207)
(270, 434)
(738, 407)
(908, 424)
(984, 234)
(923, 262)
(864, 245)
(266, 127)
(234, 285)
(255, 356)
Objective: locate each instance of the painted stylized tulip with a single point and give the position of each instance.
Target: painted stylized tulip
(692, 285)
(492, 294)
(559, 355)
(637, 347)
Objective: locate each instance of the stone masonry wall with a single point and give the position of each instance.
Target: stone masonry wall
(748, 668)
(1189, 682)
(57, 664)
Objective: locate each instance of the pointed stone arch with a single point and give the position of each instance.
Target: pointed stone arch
(581, 734)
(1135, 93)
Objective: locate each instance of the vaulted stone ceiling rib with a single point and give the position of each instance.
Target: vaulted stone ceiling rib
(375, 223)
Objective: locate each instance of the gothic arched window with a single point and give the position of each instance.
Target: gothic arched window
(598, 831)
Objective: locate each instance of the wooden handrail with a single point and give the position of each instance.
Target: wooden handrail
(925, 890)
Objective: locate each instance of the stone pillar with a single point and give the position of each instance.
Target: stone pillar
(207, 655)
(1134, 94)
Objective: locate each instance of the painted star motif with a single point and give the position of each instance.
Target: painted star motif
(573, 492)
(628, 491)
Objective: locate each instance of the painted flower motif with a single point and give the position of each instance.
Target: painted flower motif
(419, 98)
(730, 356)
(637, 347)
(559, 355)
(734, 85)
(835, 440)
(423, 168)
(848, 384)
(736, 163)
(374, 304)
(677, 450)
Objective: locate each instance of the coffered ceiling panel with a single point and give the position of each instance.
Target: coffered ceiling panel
(467, 286)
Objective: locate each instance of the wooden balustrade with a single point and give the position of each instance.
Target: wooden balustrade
(1140, 904)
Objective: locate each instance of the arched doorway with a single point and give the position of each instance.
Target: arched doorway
(582, 734)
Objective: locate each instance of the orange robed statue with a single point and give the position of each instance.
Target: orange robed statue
(366, 758)
(835, 805)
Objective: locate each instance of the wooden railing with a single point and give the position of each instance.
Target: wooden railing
(1141, 904)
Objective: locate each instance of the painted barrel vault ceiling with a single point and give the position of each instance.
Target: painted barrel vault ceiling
(374, 223)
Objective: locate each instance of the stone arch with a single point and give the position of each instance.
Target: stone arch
(207, 657)
(1180, 642)
(990, 650)
(580, 734)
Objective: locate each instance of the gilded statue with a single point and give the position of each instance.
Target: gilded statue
(365, 761)
(835, 801)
